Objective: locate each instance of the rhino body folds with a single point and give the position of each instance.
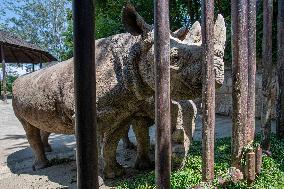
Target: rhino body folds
(44, 100)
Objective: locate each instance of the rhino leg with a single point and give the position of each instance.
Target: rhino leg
(127, 144)
(112, 168)
(34, 139)
(140, 126)
(44, 138)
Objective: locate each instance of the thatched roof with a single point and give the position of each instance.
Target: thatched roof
(17, 50)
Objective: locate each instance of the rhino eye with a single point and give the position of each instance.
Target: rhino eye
(175, 57)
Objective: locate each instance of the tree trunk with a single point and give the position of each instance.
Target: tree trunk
(266, 73)
(162, 95)
(280, 73)
(251, 69)
(208, 91)
(4, 76)
(240, 78)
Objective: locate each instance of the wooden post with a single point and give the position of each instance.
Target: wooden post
(258, 160)
(162, 96)
(280, 70)
(208, 91)
(250, 167)
(266, 74)
(85, 93)
(4, 75)
(251, 69)
(240, 78)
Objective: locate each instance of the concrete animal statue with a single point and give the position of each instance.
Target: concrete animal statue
(44, 100)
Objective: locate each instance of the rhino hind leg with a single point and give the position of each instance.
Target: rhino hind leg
(44, 138)
(140, 126)
(34, 139)
(112, 168)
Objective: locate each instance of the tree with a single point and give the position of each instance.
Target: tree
(280, 73)
(40, 22)
(266, 73)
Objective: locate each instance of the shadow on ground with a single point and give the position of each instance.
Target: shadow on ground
(63, 168)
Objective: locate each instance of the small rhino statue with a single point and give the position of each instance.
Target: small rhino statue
(183, 115)
(44, 100)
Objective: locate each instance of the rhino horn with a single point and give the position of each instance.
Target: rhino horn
(219, 35)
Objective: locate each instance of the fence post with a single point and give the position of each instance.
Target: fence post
(280, 70)
(85, 93)
(240, 78)
(208, 91)
(251, 69)
(162, 96)
(266, 74)
(4, 75)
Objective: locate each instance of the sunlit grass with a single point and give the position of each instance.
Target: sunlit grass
(272, 175)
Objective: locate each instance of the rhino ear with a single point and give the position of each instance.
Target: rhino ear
(220, 33)
(180, 33)
(133, 22)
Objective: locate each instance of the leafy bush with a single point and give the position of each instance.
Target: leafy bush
(272, 175)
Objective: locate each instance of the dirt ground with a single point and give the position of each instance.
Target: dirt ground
(16, 157)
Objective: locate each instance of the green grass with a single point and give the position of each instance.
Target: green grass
(272, 175)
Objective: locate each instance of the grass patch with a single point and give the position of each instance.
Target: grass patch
(272, 175)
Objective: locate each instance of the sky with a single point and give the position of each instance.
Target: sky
(8, 14)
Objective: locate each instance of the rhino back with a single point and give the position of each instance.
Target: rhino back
(45, 98)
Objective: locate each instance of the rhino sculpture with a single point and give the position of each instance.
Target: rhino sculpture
(183, 114)
(44, 100)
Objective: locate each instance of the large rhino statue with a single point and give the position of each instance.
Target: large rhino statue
(44, 100)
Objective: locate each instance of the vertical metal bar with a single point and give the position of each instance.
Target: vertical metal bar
(4, 75)
(208, 94)
(251, 69)
(85, 93)
(162, 97)
(280, 73)
(266, 74)
(240, 78)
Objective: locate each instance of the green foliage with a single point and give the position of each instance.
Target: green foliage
(39, 22)
(10, 79)
(272, 175)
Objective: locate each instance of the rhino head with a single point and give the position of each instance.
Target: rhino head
(186, 57)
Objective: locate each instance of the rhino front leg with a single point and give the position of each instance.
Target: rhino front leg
(127, 144)
(112, 168)
(34, 139)
(140, 126)
(44, 138)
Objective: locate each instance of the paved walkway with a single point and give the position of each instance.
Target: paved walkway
(16, 156)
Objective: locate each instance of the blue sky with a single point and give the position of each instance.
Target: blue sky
(2, 8)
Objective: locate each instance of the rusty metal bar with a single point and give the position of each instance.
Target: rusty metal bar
(208, 91)
(4, 75)
(239, 17)
(250, 167)
(85, 93)
(280, 73)
(258, 159)
(251, 69)
(266, 74)
(162, 96)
